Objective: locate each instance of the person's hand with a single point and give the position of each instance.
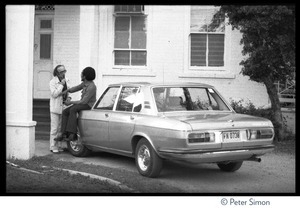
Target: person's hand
(63, 81)
(64, 92)
(68, 101)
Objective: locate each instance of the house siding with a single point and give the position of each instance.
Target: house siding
(66, 42)
(167, 52)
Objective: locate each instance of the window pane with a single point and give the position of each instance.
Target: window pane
(46, 24)
(45, 46)
(202, 20)
(215, 50)
(108, 99)
(122, 23)
(121, 39)
(138, 58)
(138, 36)
(198, 50)
(122, 32)
(122, 57)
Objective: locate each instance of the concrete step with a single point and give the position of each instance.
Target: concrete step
(44, 117)
(41, 114)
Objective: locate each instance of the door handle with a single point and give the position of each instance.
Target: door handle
(132, 117)
(106, 115)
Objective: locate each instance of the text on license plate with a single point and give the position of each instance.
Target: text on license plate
(231, 136)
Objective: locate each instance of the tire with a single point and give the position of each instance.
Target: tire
(77, 149)
(148, 163)
(231, 166)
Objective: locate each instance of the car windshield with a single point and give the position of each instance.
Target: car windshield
(187, 99)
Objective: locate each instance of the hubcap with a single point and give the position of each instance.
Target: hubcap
(144, 157)
(76, 144)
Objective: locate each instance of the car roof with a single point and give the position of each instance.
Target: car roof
(152, 84)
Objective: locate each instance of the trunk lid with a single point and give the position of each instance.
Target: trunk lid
(219, 120)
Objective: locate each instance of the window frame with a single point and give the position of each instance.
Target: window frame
(130, 49)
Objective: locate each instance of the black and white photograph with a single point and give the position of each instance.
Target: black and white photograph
(135, 100)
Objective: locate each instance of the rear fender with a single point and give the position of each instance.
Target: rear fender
(137, 137)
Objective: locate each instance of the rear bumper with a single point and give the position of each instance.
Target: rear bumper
(207, 156)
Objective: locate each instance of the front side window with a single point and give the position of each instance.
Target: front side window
(207, 37)
(130, 40)
(107, 100)
(187, 99)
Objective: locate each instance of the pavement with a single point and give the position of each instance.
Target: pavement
(102, 159)
(42, 149)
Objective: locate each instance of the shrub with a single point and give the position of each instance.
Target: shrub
(249, 108)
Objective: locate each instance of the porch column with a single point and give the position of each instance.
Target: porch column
(20, 129)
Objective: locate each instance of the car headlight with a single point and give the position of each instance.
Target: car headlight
(260, 134)
(201, 137)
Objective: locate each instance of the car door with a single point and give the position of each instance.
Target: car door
(96, 121)
(122, 120)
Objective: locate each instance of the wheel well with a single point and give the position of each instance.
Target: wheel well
(134, 142)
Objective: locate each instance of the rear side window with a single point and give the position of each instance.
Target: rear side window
(128, 100)
(187, 99)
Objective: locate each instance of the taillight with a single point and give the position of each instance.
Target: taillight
(201, 137)
(260, 134)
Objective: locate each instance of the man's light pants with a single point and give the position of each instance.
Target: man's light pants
(54, 131)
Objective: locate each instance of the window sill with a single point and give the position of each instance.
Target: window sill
(208, 74)
(131, 72)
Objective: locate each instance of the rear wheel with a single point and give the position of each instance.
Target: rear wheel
(76, 147)
(148, 163)
(230, 166)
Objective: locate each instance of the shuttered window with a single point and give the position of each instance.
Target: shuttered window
(207, 37)
(130, 40)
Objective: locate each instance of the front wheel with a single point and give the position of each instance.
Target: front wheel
(230, 166)
(76, 147)
(148, 163)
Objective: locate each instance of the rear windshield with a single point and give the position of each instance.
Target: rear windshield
(187, 99)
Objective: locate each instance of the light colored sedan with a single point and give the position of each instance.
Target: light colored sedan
(188, 122)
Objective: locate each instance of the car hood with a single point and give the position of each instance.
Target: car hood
(217, 120)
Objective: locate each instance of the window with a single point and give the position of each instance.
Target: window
(130, 40)
(207, 37)
(128, 99)
(129, 8)
(46, 24)
(107, 100)
(45, 38)
(45, 46)
(187, 99)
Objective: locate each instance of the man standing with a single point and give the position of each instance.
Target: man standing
(58, 86)
(88, 98)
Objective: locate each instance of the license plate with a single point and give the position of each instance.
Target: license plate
(231, 136)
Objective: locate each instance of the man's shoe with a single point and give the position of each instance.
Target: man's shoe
(54, 151)
(61, 149)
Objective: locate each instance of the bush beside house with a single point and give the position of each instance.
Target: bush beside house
(249, 108)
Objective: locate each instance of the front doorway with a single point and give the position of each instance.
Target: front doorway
(43, 55)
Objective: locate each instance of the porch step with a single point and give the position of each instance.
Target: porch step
(41, 114)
